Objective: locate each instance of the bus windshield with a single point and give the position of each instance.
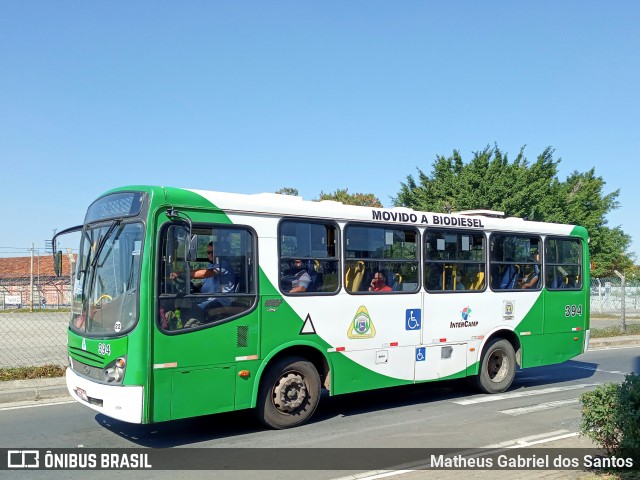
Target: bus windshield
(105, 291)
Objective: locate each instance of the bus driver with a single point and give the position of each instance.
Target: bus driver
(218, 278)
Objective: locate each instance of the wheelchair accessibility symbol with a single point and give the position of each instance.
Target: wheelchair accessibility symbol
(421, 354)
(412, 319)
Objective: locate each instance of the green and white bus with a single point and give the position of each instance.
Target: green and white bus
(308, 295)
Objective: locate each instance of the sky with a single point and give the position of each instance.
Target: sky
(254, 96)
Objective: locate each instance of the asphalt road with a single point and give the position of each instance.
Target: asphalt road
(542, 403)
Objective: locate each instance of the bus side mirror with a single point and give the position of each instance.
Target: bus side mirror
(57, 263)
(57, 255)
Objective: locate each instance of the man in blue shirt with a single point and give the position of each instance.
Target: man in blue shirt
(218, 278)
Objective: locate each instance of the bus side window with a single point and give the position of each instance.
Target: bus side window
(514, 259)
(563, 263)
(308, 253)
(224, 264)
(454, 260)
(374, 250)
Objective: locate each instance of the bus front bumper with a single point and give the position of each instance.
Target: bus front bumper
(115, 401)
(587, 337)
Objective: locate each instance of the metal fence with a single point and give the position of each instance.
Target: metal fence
(614, 304)
(33, 321)
(18, 294)
(37, 336)
(34, 310)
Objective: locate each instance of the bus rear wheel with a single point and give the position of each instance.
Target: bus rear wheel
(289, 393)
(497, 367)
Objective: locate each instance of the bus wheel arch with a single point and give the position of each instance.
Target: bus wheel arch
(497, 367)
(290, 387)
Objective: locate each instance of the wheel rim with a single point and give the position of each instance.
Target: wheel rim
(289, 393)
(498, 366)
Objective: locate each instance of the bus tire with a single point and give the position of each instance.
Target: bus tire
(497, 367)
(289, 393)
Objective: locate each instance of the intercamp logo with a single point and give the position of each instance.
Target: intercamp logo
(465, 313)
(23, 459)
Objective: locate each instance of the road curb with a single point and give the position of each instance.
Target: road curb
(614, 341)
(33, 393)
(33, 390)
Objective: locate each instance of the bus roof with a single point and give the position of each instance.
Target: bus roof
(287, 205)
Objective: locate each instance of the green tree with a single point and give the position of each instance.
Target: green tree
(288, 191)
(527, 190)
(360, 199)
(584, 203)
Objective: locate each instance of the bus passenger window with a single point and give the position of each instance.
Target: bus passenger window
(380, 259)
(308, 257)
(563, 263)
(515, 262)
(454, 261)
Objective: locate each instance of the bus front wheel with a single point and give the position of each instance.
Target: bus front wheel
(497, 367)
(289, 393)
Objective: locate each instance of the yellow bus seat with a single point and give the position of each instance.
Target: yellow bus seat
(479, 283)
(354, 276)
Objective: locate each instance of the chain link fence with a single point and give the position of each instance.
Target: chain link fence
(613, 303)
(33, 323)
(34, 316)
(34, 310)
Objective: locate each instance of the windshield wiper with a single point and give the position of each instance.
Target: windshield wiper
(103, 241)
(94, 261)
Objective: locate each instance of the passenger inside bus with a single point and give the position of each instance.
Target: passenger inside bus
(530, 278)
(218, 277)
(297, 279)
(379, 282)
(531, 275)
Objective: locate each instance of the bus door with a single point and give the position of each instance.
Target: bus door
(442, 352)
(204, 322)
(566, 299)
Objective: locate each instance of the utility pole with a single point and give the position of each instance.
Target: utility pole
(71, 274)
(31, 281)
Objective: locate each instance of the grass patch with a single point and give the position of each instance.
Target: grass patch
(614, 331)
(613, 316)
(603, 315)
(27, 373)
(35, 310)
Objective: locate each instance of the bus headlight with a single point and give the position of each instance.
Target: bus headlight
(114, 372)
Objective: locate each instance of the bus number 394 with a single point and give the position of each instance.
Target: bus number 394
(573, 310)
(104, 349)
